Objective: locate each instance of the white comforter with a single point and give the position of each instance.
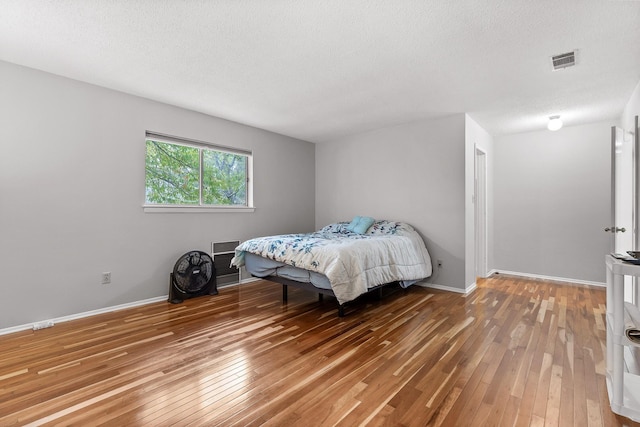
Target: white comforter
(387, 252)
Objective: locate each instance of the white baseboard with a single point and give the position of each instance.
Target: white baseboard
(471, 288)
(85, 314)
(466, 291)
(27, 326)
(543, 277)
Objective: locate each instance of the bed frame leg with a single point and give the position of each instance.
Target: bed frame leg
(285, 295)
(341, 310)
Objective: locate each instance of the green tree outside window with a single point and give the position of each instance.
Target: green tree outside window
(173, 175)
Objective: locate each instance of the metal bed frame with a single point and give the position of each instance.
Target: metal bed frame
(320, 291)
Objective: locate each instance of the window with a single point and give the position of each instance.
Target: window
(185, 173)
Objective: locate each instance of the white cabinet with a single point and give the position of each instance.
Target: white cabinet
(623, 386)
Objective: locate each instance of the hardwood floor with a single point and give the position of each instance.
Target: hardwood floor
(514, 352)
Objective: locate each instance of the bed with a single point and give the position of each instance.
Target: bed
(341, 259)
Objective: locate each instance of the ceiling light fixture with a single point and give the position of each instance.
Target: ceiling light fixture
(554, 123)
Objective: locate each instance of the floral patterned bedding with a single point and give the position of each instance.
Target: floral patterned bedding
(389, 251)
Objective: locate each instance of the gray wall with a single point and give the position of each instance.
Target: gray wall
(552, 201)
(72, 189)
(413, 173)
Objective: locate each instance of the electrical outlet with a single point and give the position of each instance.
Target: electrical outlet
(106, 278)
(439, 262)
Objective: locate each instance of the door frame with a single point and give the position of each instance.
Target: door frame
(635, 291)
(636, 199)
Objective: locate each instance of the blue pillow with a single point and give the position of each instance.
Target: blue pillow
(360, 224)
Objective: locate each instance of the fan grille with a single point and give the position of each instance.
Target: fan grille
(193, 271)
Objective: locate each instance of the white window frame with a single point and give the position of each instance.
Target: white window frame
(169, 139)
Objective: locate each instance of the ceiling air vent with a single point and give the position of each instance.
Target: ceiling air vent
(563, 60)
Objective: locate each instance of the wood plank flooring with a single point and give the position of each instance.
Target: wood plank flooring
(514, 352)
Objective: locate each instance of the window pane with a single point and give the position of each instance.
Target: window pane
(172, 174)
(224, 178)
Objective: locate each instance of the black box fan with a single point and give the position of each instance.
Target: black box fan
(193, 275)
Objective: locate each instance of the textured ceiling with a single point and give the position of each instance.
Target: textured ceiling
(321, 70)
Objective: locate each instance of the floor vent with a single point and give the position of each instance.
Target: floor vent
(563, 60)
(222, 253)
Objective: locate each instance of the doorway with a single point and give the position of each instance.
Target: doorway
(480, 207)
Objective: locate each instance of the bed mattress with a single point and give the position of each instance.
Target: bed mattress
(263, 267)
(339, 259)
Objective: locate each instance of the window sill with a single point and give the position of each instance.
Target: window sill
(196, 209)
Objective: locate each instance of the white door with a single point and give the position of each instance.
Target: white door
(622, 191)
(622, 198)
